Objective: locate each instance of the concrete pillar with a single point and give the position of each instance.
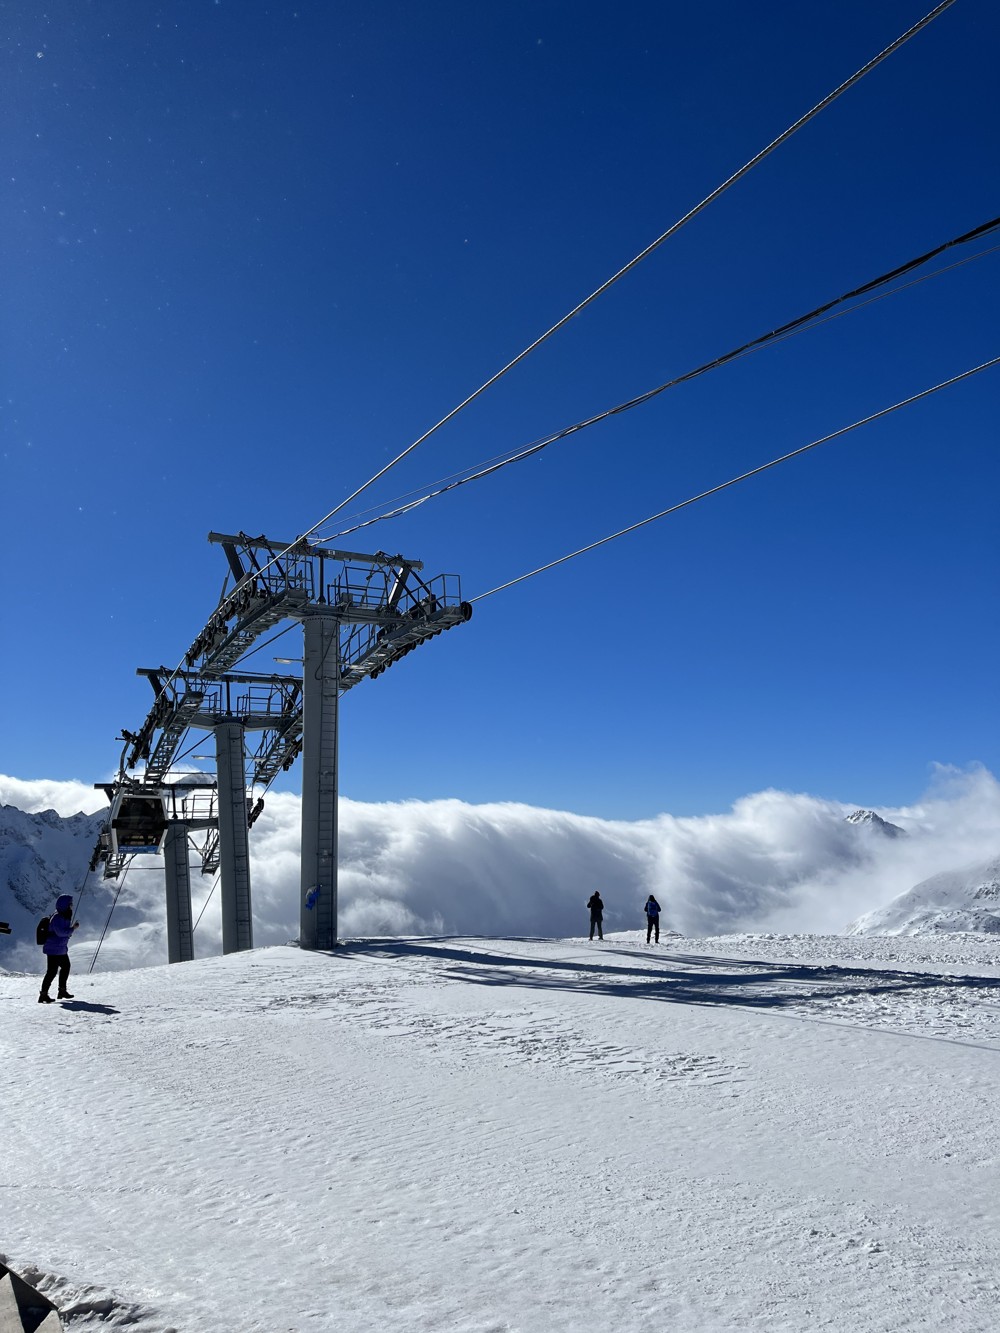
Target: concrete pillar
(320, 705)
(234, 842)
(180, 931)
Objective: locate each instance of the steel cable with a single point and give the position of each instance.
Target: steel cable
(811, 320)
(714, 490)
(627, 268)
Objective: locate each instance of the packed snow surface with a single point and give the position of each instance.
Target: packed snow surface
(735, 1133)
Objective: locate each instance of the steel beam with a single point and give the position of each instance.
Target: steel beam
(180, 931)
(234, 844)
(320, 706)
(302, 548)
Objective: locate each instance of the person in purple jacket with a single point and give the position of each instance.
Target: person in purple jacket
(56, 949)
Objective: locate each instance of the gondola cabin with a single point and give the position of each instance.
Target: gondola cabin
(137, 824)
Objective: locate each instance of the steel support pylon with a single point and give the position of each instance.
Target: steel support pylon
(320, 706)
(180, 932)
(234, 844)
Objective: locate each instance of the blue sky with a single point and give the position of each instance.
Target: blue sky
(252, 251)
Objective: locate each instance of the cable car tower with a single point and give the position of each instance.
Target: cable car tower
(360, 614)
(160, 809)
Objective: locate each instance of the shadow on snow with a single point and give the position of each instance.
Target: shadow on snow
(677, 978)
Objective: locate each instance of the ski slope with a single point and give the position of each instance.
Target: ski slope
(518, 1135)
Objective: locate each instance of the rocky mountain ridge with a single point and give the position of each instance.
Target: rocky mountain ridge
(869, 819)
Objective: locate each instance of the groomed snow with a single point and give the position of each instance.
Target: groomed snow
(739, 1133)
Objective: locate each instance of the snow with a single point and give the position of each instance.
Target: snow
(747, 1132)
(955, 900)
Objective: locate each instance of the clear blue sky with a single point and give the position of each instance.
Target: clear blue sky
(253, 250)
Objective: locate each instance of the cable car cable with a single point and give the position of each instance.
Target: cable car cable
(206, 902)
(643, 254)
(714, 490)
(672, 230)
(121, 885)
(80, 893)
(259, 647)
(808, 321)
(499, 461)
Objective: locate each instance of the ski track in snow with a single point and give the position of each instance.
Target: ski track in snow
(743, 1133)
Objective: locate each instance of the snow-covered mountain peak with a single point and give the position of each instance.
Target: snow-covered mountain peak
(869, 819)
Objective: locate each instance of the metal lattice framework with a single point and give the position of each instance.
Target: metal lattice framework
(187, 700)
(384, 606)
(369, 611)
(384, 609)
(187, 801)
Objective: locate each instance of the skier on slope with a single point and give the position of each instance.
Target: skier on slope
(652, 910)
(56, 949)
(596, 915)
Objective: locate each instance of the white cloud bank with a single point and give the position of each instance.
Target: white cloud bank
(33, 795)
(776, 862)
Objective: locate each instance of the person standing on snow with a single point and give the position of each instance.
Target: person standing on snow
(652, 910)
(56, 949)
(596, 915)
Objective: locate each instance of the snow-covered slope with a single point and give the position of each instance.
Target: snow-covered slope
(966, 899)
(41, 856)
(714, 1136)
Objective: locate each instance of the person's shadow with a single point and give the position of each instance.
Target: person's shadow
(84, 1007)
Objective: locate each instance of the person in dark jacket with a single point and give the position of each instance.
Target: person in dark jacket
(56, 949)
(652, 910)
(596, 915)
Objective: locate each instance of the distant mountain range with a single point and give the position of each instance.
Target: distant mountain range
(966, 899)
(41, 856)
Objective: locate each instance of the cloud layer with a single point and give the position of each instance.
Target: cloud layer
(33, 795)
(775, 862)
